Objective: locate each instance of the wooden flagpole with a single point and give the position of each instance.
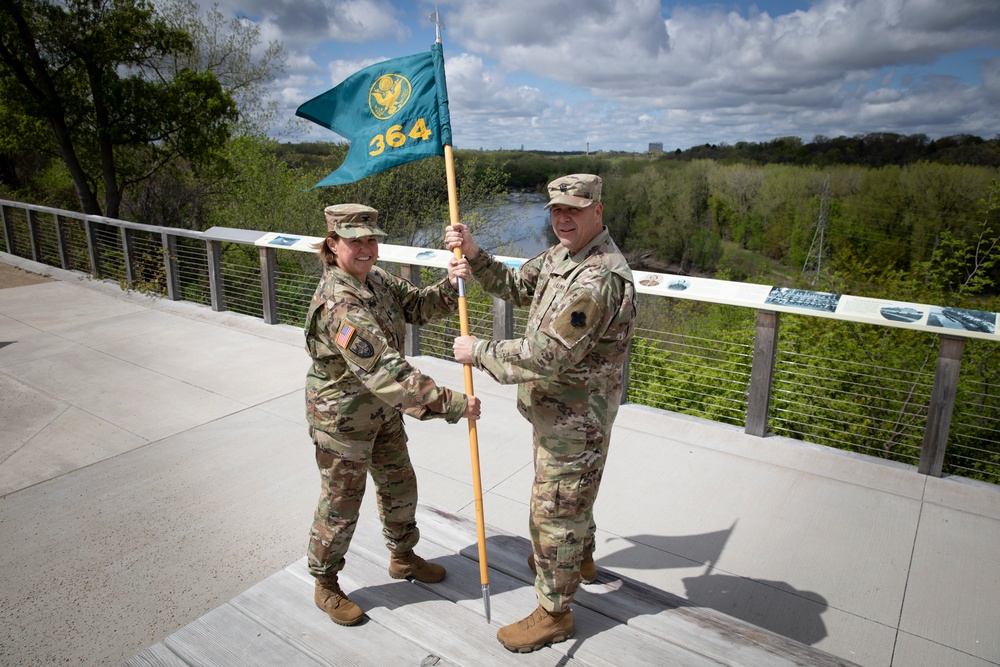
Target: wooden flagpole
(463, 317)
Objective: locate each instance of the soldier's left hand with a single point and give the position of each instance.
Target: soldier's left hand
(463, 349)
(459, 236)
(459, 268)
(474, 411)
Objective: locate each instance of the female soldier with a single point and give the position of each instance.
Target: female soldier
(357, 390)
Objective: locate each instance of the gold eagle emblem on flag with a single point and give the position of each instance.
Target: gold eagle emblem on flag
(389, 94)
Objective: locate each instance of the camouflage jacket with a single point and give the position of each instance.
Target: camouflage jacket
(582, 314)
(354, 334)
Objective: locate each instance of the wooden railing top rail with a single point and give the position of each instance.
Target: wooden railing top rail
(114, 222)
(930, 318)
(940, 320)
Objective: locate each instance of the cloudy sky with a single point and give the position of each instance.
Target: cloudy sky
(619, 74)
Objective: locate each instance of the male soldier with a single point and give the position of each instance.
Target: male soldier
(569, 367)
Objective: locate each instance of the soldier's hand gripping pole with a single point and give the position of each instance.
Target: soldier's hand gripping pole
(463, 317)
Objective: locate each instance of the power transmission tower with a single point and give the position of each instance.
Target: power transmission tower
(814, 260)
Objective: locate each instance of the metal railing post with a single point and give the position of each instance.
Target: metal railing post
(949, 364)
(215, 283)
(126, 236)
(169, 244)
(92, 248)
(33, 236)
(411, 346)
(765, 350)
(625, 372)
(8, 230)
(269, 298)
(503, 319)
(61, 241)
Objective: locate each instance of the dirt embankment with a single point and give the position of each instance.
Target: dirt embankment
(645, 261)
(12, 276)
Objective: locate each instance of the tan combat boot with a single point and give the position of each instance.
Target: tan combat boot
(537, 630)
(408, 565)
(332, 600)
(588, 568)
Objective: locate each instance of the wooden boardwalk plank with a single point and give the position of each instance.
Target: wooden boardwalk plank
(701, 630)
(599, 640)
(619, 621)
(419, 612)
(225, 637)
(284, 602)
(157, 655)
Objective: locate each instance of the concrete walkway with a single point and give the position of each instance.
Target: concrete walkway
(154, 463)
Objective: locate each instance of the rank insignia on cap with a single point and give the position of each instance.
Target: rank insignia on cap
(578, 318)
(344, 337)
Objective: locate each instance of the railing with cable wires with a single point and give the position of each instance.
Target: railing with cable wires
(936, 408)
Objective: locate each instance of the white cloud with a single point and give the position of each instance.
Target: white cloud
(304, 23)
(990, 73)
(587, 43)
(477, 90)
(622, 73)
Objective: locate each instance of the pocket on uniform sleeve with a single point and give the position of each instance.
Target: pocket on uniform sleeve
(516, 353)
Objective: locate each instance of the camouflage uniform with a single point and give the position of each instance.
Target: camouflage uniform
(569, 366)
(357, 389)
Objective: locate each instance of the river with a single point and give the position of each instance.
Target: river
(526, 229)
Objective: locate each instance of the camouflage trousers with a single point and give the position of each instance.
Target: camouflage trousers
(561, 524)
(344, 466)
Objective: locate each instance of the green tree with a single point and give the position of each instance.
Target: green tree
(895, 365)
(92, 72)
(261, 192)
(412, 199)
(234, 52)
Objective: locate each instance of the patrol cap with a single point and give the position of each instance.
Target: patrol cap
(352, 220)
(577, 190)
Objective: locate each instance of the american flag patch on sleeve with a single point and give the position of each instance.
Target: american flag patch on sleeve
(344, 337)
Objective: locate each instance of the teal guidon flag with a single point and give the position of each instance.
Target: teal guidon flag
(392, 112)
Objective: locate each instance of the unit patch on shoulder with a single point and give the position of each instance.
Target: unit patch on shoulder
(576, 320)
(359, 346)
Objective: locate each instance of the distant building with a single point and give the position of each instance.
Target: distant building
(656, 147)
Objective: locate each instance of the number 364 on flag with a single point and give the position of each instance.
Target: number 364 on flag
(394, 137)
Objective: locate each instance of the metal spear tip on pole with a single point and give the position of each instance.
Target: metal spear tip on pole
(438, 23)
(486, 601)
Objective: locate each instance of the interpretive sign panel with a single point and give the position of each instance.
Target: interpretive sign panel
(934, 319)
(396, 254)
